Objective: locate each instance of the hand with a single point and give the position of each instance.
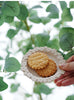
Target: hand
(68, 77)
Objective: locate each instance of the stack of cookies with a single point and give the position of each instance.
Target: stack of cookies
(42, 65)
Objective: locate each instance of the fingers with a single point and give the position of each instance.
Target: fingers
(67, 66)
(62, 76)
(65, 82)
(70, 59)
(59, 82)
(66, 79)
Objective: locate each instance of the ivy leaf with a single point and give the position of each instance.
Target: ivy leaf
(66, 15)
(14, 87)
(8, 19)
(54, 44)
(54, 12)
(26, 47)
(57, 25)
(66, 30)
(1, 58)
(13, 76)
(35, 19)
(3, 85)
(61, 53)
(53, 15)
(32, 12)
(63, 4)
(1, 97)
(12, 65)
(36, 6)
(68, 55)
(1, 19)
(10, 8)
(23, 12)
(67, 41)
(41, 40)
(42, 88)
(45, 1)
(71, 97)
(45, 20)
(28, 95)
(71, 4)
(11, 33)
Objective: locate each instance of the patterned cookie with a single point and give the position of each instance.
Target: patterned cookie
(49, 70)
(38, 60)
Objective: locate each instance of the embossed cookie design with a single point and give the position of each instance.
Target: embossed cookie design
(38, 60)
(49, 70)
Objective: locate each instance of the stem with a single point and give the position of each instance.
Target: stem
(40, 97)
(28, 28)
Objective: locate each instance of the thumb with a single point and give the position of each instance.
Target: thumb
(67, 66)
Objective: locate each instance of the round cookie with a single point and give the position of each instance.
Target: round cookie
(49, 70)
(38, 60)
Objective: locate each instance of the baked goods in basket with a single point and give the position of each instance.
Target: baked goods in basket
(31, 71)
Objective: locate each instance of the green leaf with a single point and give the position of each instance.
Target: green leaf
(1, 58)
(14, 87)
(61, 53)
(71, 4)
(42, 88)
(54, 12)
(13, 76)
(3, 85)
(41, 40)
(32, 13)
(69, 54)
(12, 65)
(8, 19)
(36, 6)
(63, 4)
(10, 8)
(67, 41)
(1, 19)
(66, 30)
(1, 97)
(45, 1)
(71, 97)
(11, 33)
(26, 47)
(28, 95)
(23, 12)
(66, 15)
(57, 25)
(54, 44)
(52, 8)
(35, 19)
(53, 15)
(45, 20)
